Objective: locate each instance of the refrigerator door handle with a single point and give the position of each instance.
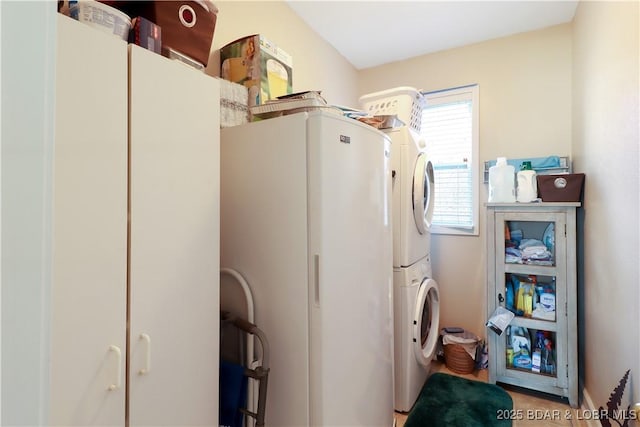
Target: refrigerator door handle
(147, 339)
(316, 279)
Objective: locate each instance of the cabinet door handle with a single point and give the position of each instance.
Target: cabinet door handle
(147, 360)
(116, 385)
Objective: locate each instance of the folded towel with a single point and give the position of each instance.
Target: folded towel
(537, 163)
(531, 243)
(545, 162)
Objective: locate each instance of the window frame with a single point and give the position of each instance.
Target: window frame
(444, 96)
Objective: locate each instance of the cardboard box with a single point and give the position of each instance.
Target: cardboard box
(258, 64)
(560, 188)
(146, 34)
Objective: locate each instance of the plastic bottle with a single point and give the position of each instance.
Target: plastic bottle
(502, 182)
(549, 364)
(529, 295)
(509, 356)
(509, 294)
(537, 358)
(527, 190)
(519, 298)
(521, 344)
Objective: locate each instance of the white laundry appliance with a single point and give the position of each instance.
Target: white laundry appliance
(305, 218)
(416, 329)
(416, 293)
(412, 197)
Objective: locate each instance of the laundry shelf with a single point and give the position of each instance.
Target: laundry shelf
(548, 165)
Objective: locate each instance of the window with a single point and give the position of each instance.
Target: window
(450, 129)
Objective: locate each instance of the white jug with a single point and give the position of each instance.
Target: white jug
(502, 182)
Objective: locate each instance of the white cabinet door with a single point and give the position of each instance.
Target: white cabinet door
(174, 243)
(89, 242)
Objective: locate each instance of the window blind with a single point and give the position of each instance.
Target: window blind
(448, 129)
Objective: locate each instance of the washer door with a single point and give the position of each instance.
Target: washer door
(426, 321)
(423, 185)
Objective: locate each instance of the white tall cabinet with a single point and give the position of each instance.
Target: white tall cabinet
(135, 297)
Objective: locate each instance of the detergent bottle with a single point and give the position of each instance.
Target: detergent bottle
(502, 182)
(527, 190)
(539, 352)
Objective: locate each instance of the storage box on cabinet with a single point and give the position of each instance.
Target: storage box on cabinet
(561, 188)
(187, 26)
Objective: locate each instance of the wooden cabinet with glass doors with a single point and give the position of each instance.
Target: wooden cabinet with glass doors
(531, 271)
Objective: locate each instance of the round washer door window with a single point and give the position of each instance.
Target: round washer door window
(423, 186)
(426, 322)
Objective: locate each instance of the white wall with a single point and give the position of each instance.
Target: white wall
(606, 148)
(28, 48)
(316, 64)
(525, 111)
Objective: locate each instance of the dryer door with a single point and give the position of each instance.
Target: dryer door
(423, 186)
(426, 321)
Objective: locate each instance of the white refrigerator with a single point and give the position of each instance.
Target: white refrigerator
(305, 218)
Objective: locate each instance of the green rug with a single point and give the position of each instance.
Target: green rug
(450, 401)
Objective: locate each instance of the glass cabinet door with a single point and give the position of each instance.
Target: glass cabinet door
(531, 271)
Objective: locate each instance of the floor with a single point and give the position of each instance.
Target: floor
(528, 410)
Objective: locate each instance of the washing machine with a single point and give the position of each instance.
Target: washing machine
(416, 294)
(416, 324)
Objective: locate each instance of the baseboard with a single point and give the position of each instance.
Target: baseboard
(588, 407)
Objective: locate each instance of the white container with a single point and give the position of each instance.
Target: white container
(527, 190)
(502, 188)
(101, 17)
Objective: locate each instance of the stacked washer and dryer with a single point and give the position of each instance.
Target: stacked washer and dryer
(416, 294)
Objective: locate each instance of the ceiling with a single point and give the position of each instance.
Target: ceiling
(371, 33)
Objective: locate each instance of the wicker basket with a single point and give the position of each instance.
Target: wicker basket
(457, 359)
